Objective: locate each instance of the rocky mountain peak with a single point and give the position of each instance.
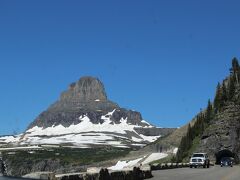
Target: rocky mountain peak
(84, 117)
(84, 90)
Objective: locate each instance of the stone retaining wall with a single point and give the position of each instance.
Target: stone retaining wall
(160, 166)
(104, 174)
(135, 174)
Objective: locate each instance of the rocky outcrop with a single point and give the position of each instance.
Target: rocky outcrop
(154, 131)
(222, 137)
(21, 168)
(85, 90)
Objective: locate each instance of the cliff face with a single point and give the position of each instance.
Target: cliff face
(222, 137)
(86, 96)
(85, 90)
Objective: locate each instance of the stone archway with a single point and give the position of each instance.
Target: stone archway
(225, 153)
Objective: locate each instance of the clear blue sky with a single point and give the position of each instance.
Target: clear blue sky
(162, 58)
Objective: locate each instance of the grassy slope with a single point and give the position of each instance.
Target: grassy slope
(170, 141)
(67, 155)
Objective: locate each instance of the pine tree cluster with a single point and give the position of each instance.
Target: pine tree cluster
(226, 91)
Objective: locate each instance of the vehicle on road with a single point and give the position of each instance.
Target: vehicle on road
(226, 161)
(199, 159)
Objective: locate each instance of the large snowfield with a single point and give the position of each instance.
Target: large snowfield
(121, 165)
(85, 133)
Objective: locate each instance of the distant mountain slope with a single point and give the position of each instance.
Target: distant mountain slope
(168, 142)
(84, 117)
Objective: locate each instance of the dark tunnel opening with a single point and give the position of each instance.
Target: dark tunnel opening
(226, 153)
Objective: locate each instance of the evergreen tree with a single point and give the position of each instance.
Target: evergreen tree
(189, 137)
(185, 144)
(218, 98)
(231, 88)
(209, 112)
(182, 149)
(224, 93)
(202, 126)
(173, 159)
(235, 70)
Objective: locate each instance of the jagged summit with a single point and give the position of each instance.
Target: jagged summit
(84, 90)
(87, 94)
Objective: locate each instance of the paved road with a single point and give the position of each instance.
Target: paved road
(11, 178)
(8, 178)
(213, 173)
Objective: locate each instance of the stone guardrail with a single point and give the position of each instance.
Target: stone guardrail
(136, 173)
(160, 166)
(104, 174)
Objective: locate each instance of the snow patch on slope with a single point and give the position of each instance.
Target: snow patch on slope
(85, 133)
(175, 150)
(81, 140)
(149, 138)
(145, 122)
(154, 157)
(125, 164)
(8, 139)
(85, 126)
(121, 165)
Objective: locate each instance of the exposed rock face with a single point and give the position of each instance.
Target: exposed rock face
(29, 166)
(85, 90)
(222, 137)
(87, 96)
(154, 131)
